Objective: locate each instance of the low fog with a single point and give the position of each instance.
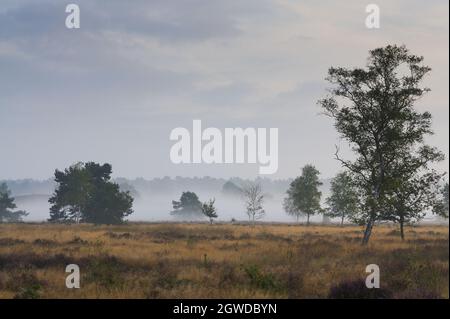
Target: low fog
(153, 198)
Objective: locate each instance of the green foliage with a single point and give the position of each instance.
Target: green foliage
(86, 194)
(106, 272)
(411, 194)
(27, 285)
(343, 201)
(260, 279)
(209, 210)
(7, 205)
(440, 206)
(303, 195)
(188, 206)
(445, 195)
(373, 111)
(29, 292)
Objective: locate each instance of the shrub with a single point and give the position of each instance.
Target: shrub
(29, 292)
(105, 272)
(26, 284)
(356, 289)
(260, 279)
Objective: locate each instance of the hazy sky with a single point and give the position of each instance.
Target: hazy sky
(113, 90)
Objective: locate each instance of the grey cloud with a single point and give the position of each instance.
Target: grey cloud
(229, 95)
(30, 20)
(166, 20)
(114, 89)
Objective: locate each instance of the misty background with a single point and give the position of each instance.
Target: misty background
(153, 198)
(112, 91)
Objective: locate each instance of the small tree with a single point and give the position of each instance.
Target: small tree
(188, 206)
(291, 209)
(209, 210)
(343, 201)
(254, 198)
(414, 187)
(7, 205)
(410, 200)
(303, 194)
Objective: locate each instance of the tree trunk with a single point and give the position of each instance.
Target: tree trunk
(368, 231)
(342, 220)
(371, 222)
(402, 231)
(307, 220)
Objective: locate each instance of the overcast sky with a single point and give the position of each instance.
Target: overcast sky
(113, 90)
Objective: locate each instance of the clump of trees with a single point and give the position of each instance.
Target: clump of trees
(7, 206)
(254, 198)
(343, 201)
(189, 206)
(303, 195)
(209, 210)
(85, 193)
(373, 110)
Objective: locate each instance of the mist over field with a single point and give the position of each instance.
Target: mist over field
(153, 198)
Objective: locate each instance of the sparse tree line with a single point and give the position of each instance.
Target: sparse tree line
(390, 179)
(406, 205)
(189, 206)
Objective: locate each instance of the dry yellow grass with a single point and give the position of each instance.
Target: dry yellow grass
(217, 261)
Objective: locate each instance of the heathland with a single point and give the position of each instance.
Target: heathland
(143, 260)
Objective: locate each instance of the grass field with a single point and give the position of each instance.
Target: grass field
(221, 261)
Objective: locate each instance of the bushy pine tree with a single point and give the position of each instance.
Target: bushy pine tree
(7, 206)
(189, 206)
(85, 193)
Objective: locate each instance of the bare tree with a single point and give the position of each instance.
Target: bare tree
(254, 198)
